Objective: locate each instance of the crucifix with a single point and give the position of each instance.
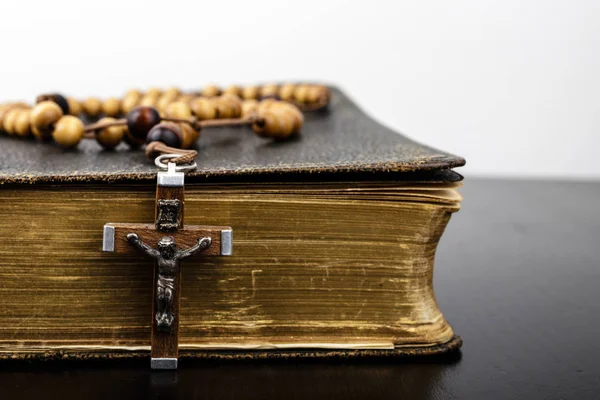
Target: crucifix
(168, 242)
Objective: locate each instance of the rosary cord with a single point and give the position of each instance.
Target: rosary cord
(101, 125)
(228, 122)
(153, 149)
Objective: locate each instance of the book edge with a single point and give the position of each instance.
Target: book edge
(453, 345)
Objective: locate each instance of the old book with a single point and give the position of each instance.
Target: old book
(334, 241)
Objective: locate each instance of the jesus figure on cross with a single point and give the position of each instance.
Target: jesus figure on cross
(167, 258)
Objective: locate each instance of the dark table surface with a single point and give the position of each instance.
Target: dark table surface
(517, 275)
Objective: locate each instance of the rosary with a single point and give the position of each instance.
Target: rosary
(169, 123)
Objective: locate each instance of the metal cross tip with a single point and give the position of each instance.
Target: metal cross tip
(172, 167)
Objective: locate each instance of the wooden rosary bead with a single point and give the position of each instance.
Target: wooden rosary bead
(286, 109)
(43, 117)
(68, 131)
(154, 92)
(186, 98)
(178, 109)
(301, 94)
(111, 136)
(140, 120)
(6, 108)
(163, 103)
(310, 95)
(277, 120)
(111, 107)
(150, 99)
(75, 107)
(172, 92)
(211, 91)
(22, 124)
(3, 113)
(167, 133)
(228, 106)
(10, 120)
(3, 109)
(168, 97)
(250, 92)
(318, 94)
(130, 100)
(189, 135)
(249, 108)
(92, 107)
(296, 115)
(234, 90)
(286, 92)
(267, 104)
(57, 98)
(203, 108)
(273, 125)
(269, 91)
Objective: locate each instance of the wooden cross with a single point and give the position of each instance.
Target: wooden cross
(168, 241)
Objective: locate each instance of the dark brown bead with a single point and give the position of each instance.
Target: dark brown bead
(132, 142)
(140, 120)
(167, 133)
(56, 98)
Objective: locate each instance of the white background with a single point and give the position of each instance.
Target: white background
(513, 86)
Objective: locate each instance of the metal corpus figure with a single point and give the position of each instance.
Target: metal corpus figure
(167, 257)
